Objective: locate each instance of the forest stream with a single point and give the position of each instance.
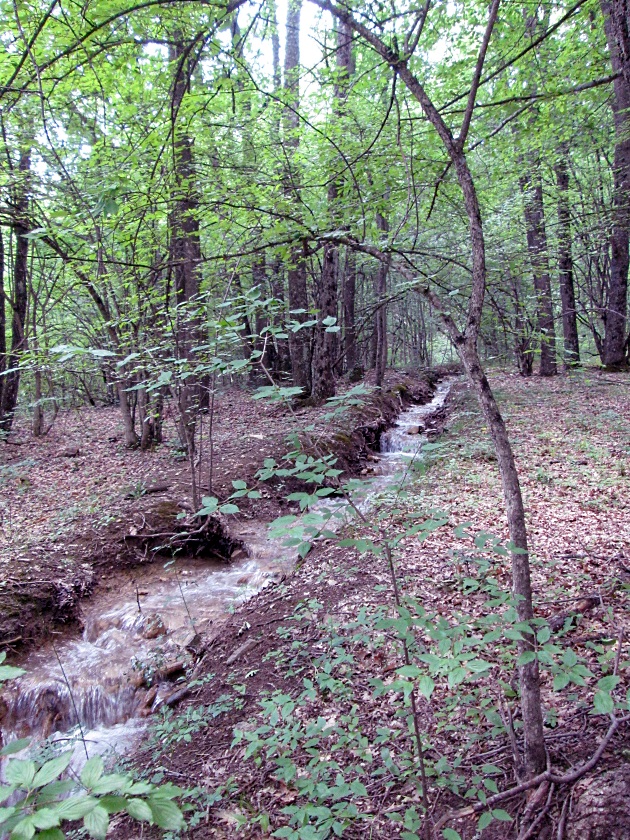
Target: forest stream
(140, 632)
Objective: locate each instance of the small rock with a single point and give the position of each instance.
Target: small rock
(71, 452)
(194, 644)
(413, 430)
(154, 627)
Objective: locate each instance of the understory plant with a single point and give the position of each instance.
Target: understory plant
(43, 798)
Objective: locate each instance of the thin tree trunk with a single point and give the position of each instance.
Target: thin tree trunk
(565, 263)
(381, 312)
(325, 342)
(466, 343)
(20, 297)
(3, 318)
(349, 297)
(534, 211)
(616, 25)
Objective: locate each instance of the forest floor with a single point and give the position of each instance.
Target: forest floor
(308, 671)
(315, 698)
(77, 507)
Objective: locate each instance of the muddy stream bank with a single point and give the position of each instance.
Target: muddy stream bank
(150, 625)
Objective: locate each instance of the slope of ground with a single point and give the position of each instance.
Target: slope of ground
(300, 722)
(76, 505)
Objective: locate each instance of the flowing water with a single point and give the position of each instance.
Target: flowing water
(145, 622)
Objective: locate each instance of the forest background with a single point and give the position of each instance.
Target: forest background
(187, 203)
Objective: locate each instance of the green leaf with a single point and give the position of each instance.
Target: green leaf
(526, 657)
(52, 770)
(92, 771)
(112, 803)
(15, 746)
(484, 820)
(76, 807)
(9, 672)
(456, 676)
(603, 703)
(97, 822)
(426, 686)
(239, 485)
(112, 782)
(410, 671)
(20, 773)
(24, 830)
(139, 810)
(45, 818)
(229, 508)
(51, 834)
(500, 814)
(166, 814)
(451, 834)
(570, 658)
(608, 683)
(561, 681)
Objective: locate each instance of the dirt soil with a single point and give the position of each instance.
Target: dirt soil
(302, 646)
(77, 506)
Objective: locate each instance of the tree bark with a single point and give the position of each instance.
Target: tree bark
(616, 26)
(185, 247)
(299, 340)
(3, 318)
(565, 263)
(381, 312)
(325, 342)
(534, 211)
(20, 296)
(349, 297)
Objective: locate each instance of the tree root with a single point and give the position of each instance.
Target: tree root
(547, 777)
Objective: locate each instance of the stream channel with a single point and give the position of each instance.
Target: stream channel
(142, 624)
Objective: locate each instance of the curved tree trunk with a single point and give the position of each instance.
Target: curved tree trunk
(466, 343)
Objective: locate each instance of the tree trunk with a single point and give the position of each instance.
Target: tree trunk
(349, 296)
(521, 577)
(325, 342)
(185, 247)
(381, 312)
(184, 218)
(3, 318)
(20, 297)
(531, 188)
(299, 340)
(565, 263)
(131, 438)
(616, 25)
